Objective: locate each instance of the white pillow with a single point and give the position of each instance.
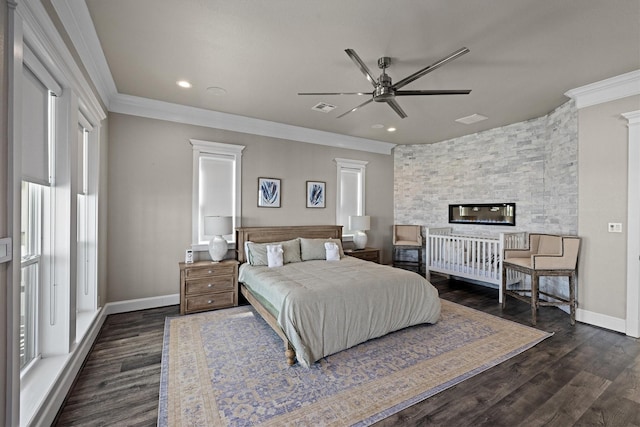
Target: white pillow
(333, 251)
(275, 256)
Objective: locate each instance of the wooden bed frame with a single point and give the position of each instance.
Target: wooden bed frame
(278, 234)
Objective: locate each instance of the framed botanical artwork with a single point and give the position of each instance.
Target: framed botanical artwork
(269, 191)
(316, 194)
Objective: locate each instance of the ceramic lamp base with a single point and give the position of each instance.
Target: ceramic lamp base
(359, 240)
(218, 248)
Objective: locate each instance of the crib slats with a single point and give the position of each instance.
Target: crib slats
(472, 257)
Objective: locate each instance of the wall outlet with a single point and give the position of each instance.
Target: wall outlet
(615, 227)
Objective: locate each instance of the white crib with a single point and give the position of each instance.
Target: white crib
(471, 257)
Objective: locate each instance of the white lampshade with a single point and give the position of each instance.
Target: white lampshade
(217, 226)
(360, 223)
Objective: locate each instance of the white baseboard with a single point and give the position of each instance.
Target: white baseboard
(141, 304)
(601, 320)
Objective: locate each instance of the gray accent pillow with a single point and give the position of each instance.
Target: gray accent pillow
(257, 252)
(314, 248)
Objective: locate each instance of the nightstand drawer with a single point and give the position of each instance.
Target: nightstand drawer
(370, 256)
(211, 270)
(209, 302)
(209, 284)
(366, 254)
(206, 285)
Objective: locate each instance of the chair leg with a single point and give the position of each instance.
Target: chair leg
(572, 298)
(534, 297)
(503, 287)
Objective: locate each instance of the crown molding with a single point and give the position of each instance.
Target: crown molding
(606, 90)
(144, 107)
(77, 21)
(43, 37)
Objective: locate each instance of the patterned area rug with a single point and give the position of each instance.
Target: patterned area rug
(227, 367)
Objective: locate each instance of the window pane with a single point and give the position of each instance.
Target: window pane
(217, 190)
(30, 226)
(349, 197)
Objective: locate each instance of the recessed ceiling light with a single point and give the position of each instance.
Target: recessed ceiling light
(378, 126)
(184, 84)
(474, 118)
(391, 129)
(217, 91)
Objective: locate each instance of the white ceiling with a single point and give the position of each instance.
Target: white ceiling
(524, 55)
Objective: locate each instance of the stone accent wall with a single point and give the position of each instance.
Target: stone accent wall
(531, 163)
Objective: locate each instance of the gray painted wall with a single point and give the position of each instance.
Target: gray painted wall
(149, 196)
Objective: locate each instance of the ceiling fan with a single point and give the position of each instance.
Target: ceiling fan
(385, 91)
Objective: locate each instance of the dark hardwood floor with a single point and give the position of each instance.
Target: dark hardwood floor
(581, 376)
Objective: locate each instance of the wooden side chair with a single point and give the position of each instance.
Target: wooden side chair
(407, 237)
(547, 255)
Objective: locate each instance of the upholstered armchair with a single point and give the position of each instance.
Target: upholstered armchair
(407, 237)
(547, 255)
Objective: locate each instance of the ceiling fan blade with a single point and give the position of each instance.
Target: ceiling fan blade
(432, 92)
(430, 68)
(365, 70)
(334, 93)
(396, 107)
(354, 109)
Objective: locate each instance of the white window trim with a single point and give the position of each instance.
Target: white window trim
(361, 167)
(214, 148)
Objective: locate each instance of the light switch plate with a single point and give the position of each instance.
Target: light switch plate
(615, 227)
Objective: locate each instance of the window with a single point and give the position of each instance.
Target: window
(216, 187)
(350, 191)
(31, 255)
(39, 93)
(86, 237)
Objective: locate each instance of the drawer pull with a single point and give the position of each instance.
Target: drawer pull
(210, 301)
(209, 285)
(209, 271)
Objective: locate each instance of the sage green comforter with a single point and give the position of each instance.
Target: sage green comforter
(328, 306)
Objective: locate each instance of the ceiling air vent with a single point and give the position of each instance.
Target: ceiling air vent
(324, 107)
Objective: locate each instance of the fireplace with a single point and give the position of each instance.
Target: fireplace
(483, 213)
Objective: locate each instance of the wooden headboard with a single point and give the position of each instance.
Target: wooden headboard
(278, 234)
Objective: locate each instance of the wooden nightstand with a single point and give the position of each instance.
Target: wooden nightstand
(206, 285)
(367, 254)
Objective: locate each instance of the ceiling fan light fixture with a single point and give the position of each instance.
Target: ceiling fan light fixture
(184, 84)
(391, 129)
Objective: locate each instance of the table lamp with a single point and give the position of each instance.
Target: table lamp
(218, 226)
(359, 224)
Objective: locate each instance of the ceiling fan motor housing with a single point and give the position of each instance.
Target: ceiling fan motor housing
(384, 90)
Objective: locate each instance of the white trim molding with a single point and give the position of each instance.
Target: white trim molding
(141, 304)
(5, 249)
(77, 21)
(143, 107)
(633, 227)
(600, 320)
(606, 90)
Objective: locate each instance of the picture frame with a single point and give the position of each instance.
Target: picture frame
(316, 194)
(269, 192)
